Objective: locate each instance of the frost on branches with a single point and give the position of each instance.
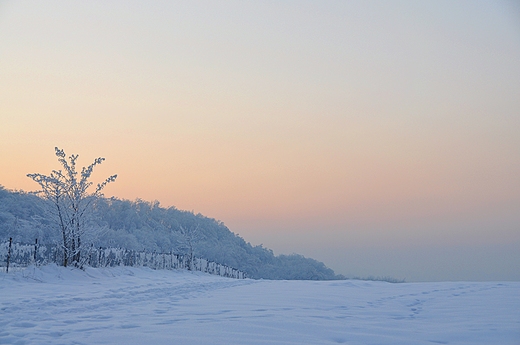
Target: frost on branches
(190, 236)
(71, 201)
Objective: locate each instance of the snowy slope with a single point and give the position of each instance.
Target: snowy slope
(56, 305)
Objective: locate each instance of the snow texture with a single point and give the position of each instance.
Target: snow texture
(125, 305)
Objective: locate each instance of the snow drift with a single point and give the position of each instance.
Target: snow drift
(125, 305)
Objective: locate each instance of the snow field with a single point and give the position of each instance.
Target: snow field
(124, 305)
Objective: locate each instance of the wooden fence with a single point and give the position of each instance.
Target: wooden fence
(14, 256)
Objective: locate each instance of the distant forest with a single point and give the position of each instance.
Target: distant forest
(143, 225)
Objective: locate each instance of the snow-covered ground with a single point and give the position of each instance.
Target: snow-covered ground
(56, 305)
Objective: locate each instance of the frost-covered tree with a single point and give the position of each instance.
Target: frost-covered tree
(190, 236)
(68, 193)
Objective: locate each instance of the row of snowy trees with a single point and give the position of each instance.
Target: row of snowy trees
(65, 212)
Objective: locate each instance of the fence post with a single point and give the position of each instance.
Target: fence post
(90, 254)
(9, 254)
(35, 250)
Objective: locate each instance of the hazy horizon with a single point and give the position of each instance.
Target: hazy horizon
(382, 138)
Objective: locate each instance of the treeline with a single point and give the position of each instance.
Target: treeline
(147, 226)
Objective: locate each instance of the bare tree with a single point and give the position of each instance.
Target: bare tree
(71, 202)
(190, 235)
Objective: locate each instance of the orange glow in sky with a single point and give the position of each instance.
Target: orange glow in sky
(380, 138)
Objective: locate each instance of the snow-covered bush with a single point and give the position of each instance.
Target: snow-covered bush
(70, 202)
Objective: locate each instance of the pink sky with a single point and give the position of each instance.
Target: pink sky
(380, 138)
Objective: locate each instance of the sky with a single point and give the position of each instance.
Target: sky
(380, 137)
